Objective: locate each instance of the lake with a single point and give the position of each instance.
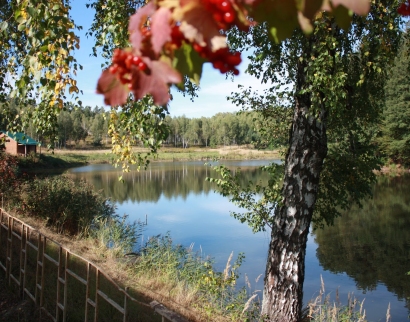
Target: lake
(366, 252)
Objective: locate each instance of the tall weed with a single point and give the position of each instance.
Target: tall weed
(116, 233)
(321, 309)
(183, 269)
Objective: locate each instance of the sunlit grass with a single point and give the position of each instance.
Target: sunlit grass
(188, 282)
(322, 309)
(63, 158)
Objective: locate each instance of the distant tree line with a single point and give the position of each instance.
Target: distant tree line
(222, 129)
(75, 124)
(78, 123)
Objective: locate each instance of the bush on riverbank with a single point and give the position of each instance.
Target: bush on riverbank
(11, 179)
(68, 206)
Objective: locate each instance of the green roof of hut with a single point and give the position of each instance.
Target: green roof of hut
(20, 137)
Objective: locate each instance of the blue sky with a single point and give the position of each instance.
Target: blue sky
(214, 85)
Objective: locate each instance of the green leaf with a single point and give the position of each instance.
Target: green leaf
(3, 25)
(17, 15)
(21, 27)
(281, 17)
(32, 11)
(188, 62)
(20, 83)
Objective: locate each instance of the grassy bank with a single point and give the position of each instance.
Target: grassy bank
(71, 158)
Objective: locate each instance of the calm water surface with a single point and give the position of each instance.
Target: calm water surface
(366, 252)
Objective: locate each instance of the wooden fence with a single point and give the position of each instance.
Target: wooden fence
(65, 286)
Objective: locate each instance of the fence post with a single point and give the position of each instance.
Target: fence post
(97, 285)
(1, 234)
(87, 292)
(59, 281)
(125, 304)
(8, 250)
(27, 233)
(37, 268)
(65, 285)
(43, 272)
(22, 251)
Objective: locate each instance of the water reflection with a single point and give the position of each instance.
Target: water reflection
(372, 244)
(169, 180)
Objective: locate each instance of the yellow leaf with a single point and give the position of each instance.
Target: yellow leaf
(73, 89)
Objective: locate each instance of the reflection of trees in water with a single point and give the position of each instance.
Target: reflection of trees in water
(169, 182)
(372, 244)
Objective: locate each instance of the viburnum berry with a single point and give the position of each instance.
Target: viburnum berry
(222, 59)
(229, 17)
(222, 12)
(177, 37)
(142, 66)
(136, 60)
(202, 51)
(122, 63)
(113, 69)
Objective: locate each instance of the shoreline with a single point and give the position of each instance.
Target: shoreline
(64, 159)
(392, 169)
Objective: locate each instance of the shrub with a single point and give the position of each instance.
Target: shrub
(11, 179)
(67, 205)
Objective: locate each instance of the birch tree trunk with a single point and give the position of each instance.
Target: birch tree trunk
(283, 290)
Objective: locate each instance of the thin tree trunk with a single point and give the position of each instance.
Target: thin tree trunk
(283, 290)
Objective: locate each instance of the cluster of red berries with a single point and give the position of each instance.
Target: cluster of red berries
(222, 12)
(122, 62)
(177, 36)
(222, 59)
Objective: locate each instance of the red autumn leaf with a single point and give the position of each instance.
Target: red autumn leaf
(360, 7)
(160, 28)
(114, 92)
(198, 25)
(155, 82)
(137, 21)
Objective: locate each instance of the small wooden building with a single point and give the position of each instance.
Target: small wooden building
(17, 143)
